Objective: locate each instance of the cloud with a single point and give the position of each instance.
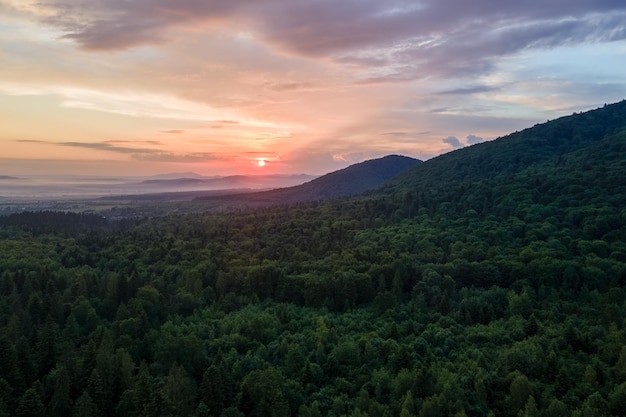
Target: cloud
(432, 37)
(140, 154)
(473, 140)
(406, 137)
(107, 146)
(194, 157)
(398, 42)
(291, 86)
(470, 90)
(457, 144)
(109, 35)
(148, 142)
(31, 141)
(101, 146)
(453, 141)
(127, 103)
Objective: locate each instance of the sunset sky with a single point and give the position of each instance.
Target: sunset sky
(140, 87)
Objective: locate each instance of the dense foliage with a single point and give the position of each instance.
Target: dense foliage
(495, 292)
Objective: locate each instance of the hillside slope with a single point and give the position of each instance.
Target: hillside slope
(353, 180)
(483, 177)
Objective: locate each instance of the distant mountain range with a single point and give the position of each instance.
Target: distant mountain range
(353, 180)
(51, 188)
(177, 175)
(197, 182)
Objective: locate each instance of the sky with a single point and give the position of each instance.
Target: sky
(142, 87)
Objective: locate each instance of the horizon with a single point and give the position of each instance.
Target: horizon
(72, 187)
(69, 187)
(121, 89)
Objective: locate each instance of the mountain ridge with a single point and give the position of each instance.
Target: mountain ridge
(347, 182)
(447, 176)
(510, 154)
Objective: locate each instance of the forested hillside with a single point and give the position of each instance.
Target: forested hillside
(486, 282)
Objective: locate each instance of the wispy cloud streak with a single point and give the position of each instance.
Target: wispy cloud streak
(140, 154)
(455, 36)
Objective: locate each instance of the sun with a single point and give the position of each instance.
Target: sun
(261, 162)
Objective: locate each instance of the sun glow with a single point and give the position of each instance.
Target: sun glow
(261, 162)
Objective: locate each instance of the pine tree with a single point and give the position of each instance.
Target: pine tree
(85, 407)
(8, 361)
(4, 409)
(179, 391)
(557, 409)
(96, 391)
(212, 390)
(617, 400)
(61, 404)
(530, 410)
(47, 346)
(31, 404)
(408, 406)
(142, 390)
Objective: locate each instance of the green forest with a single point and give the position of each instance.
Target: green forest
(486, 282)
